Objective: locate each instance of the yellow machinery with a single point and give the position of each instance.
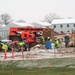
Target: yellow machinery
(72, 40)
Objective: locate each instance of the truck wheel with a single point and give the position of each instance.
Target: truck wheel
(15, 38)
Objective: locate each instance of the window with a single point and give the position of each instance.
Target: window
(67, 25)
(62, 32)
(54, 26)
(72, 30)
(74, 25)
(68, 31)
(61, 26)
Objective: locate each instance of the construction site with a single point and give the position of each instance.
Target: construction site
(36, 49)
(36, 57)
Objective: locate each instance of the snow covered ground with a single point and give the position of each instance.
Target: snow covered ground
(35, 54)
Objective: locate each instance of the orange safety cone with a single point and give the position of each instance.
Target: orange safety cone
(12, 53)
(5, 54)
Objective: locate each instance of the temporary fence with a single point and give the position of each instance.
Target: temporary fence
(12, 54)
(4, 34)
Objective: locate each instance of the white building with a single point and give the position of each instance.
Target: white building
(64, 25)
(41, 24)
(5, 29)
(17, 24)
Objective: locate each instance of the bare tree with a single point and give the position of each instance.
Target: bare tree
(49, 18)
(5, 18)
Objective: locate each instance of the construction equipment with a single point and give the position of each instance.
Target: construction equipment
(19, 33)
(30, 35)
(23, 33)
(72, 40)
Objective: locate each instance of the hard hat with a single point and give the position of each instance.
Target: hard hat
(48, 37)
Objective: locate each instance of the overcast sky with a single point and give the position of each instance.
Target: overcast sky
(36, 10)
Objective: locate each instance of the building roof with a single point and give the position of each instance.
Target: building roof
(63, 21)
(44, 23)
(23, 24)
(15, 24)
(41, 24)
(2, 25)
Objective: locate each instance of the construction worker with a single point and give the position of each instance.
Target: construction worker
(4, 47)
(42, 40)
(30, 42)
(22, 44)
(67, 39)
(49, 39)
(56, 43)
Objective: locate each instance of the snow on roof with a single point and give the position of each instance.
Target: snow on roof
(3, 25)
(41, 24)
(23, 24)
(63, 21)
(44, 23)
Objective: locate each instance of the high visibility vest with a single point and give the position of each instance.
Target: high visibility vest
(4, 47)
(21, 43)
(43, 39)
(50, 40)
(57, 43)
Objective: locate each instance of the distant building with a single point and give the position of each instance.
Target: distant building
(2, 26)
(5, 29)
(64, 25)
(41, 24)
(17, 24)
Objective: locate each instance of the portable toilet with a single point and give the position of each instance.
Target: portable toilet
(48, 45)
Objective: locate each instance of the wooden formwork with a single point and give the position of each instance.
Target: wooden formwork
(72, 39)
(48, 32)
